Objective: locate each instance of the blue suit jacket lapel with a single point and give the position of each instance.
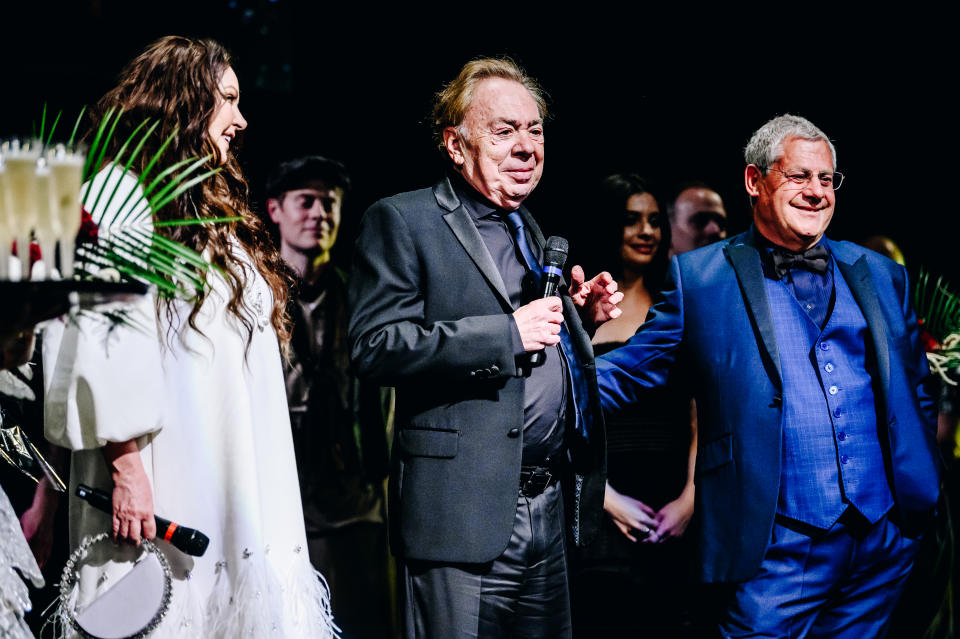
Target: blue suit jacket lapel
(860, 282)
(460, 222)
(745, 259)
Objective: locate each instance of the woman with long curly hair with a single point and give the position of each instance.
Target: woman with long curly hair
(189, 419)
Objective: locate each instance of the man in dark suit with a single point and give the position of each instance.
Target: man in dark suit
(817, 465)
(443, 308)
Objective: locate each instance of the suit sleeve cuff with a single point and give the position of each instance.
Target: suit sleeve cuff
(516, 346)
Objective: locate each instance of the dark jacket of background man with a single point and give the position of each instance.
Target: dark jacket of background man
(339, 424)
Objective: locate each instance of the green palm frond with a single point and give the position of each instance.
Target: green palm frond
(125, 242)
(208, 220)
(938, 313)
(99, 148)
(76, 125)
(43, 125)
(113, 167)
(937, 307)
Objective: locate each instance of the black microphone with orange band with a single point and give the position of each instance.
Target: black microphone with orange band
(188, 540)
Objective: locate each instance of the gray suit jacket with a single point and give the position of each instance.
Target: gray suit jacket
(430, 315)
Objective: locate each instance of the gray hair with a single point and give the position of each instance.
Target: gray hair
(451, 103)
(766, 144)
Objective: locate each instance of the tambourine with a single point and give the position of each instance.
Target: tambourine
(129, 609)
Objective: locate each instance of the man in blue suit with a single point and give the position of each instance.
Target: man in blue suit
(817, 466)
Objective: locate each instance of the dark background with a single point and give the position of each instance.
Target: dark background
(671, 96)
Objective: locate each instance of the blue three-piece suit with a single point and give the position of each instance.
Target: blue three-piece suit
(817, 464)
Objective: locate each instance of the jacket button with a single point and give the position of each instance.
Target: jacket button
(473, 373)
(513, 432)
(494, 370)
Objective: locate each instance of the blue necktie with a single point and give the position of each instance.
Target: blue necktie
(576, 376)
(515, 222)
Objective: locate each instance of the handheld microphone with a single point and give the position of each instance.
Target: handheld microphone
(188, 540)
(554, 257)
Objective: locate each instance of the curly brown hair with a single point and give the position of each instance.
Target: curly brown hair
(175, 82)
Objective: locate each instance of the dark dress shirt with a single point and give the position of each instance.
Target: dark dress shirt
(545, 391)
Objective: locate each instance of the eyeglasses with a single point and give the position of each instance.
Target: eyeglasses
(802, 178)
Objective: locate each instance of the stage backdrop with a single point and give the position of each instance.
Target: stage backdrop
(672, 97)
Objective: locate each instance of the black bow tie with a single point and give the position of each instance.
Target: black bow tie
(814, 259)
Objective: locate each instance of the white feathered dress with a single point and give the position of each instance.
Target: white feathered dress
(210, 416)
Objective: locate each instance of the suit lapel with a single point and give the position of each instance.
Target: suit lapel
(746, 263)
(859, 281)
(460, 222)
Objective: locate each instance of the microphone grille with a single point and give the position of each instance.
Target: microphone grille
(555, 253)
(194, 543)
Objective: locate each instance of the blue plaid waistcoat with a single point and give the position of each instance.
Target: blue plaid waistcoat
(831, 452)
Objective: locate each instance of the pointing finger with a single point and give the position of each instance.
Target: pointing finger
(576, 276)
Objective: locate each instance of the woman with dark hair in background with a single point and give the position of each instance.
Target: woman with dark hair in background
(635, 576)
(189, 418)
